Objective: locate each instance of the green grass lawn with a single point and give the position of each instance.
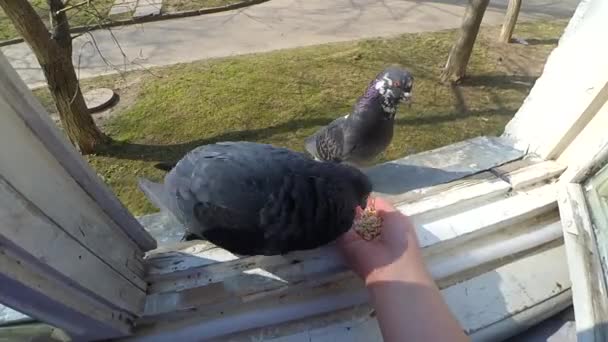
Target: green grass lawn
(282, 97)
(84, 15)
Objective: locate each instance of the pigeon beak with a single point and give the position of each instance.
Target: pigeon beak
(406, 97)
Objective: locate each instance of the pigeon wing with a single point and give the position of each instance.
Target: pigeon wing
(330, 143)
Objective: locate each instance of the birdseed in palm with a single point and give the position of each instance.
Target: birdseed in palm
(368, 225)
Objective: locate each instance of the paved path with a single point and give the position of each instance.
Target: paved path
(276, 24)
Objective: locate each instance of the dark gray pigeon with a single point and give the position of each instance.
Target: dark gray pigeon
(257, 199)
(362, 135)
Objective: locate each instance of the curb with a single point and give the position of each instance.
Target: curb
(152, 18)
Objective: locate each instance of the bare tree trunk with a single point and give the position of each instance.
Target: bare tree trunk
(510, 20)
(54, 53)
(460, 54)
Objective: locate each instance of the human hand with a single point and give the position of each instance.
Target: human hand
(406, 299)
(388, 256)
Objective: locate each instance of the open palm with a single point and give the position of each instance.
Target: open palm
(370, 259)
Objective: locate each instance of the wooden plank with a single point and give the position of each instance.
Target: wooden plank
(36, 290)
(497, 296)
(487, 252)
(175, 258)
(26, 228)
(40, 178)
(359, 324)
(578, 125)
(589, 152)
(178, 247)
(498, 311)
(596, 194)
(460, 198)
(498, 293)
(579, 172)
(533, 174)
(217, 264)
(32, 332)
(578, 150)
(458, 195)
(28, 109)
(514, 165)
(454, 265)
(520, 322)
(208, 324)
(441, 165)
(588, 284)
(419, 194)
(247, 286)
(520, 217)
(484, 219)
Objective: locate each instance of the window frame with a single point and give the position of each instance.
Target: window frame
(587, 272)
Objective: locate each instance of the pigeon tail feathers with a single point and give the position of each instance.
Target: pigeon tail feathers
(310, 144)
(155, 192)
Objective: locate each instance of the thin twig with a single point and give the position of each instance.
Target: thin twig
(122, 52)
(103, 57)
(65, 9)
(98, 20)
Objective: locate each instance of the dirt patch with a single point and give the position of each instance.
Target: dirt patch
(127, 89)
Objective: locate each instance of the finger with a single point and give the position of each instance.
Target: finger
(347, 238)
(383, 205)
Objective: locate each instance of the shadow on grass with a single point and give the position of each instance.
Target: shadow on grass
(174, 152)
(548, 41)
(522, 83)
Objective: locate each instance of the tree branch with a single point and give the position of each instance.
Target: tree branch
(67, 8)
(61, 29)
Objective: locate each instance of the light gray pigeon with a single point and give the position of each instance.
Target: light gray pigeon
(362, 135)
(257, 199)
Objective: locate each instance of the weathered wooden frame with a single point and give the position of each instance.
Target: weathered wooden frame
(70, 254)
(589, 281)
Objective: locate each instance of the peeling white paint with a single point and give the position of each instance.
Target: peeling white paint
(574, 74)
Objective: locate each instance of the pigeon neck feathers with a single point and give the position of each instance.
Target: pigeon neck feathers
(376, 100)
